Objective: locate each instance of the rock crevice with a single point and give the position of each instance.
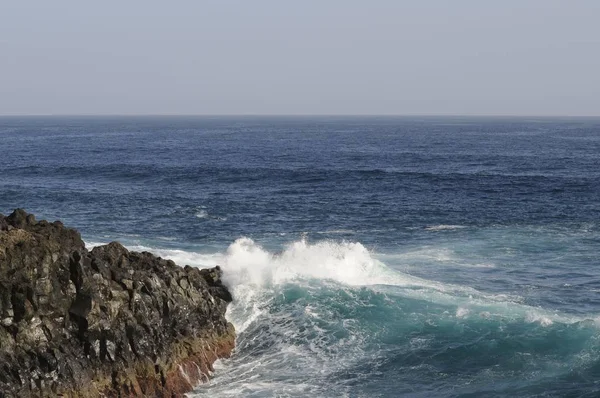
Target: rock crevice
(103, 322)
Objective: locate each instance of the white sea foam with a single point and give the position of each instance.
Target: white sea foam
(337, 232)
(444, 227)
(348, 263)
(202, 214)
(345, 262)
(91, 244)
(279, 339)
(181, 257)
(462, 312)
(542, 319)
(252, 271)
(429, 254)
(436, 256)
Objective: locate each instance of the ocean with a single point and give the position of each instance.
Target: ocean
(367, 256)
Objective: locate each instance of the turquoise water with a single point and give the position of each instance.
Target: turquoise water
(368, 257)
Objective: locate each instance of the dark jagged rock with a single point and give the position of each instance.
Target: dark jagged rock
(105, 322)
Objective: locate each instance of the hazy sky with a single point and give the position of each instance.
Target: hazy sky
(517, 57)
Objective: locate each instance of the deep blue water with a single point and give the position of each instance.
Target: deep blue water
(368, 256)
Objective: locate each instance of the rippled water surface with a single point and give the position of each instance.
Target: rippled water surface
(368, 257)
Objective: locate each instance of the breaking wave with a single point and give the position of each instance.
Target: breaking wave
(331, 319)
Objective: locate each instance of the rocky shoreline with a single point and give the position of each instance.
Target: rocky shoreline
(104, 322)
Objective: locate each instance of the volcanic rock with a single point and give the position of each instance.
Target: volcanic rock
(102, 323)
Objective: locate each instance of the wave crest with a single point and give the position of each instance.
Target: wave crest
(344, 262)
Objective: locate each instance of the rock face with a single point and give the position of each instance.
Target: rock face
(105, 322)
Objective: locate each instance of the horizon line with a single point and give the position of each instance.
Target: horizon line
(291, 115)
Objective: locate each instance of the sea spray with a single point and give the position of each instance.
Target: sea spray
(313, 317)
(319, 319)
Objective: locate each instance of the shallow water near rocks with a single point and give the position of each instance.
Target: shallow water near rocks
(368, 257)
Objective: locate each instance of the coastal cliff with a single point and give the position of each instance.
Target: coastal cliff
(102, 322)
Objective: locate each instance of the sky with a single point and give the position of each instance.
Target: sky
(272, 57)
